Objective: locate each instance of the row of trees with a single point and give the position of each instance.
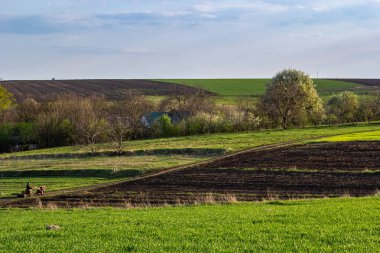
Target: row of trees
(291, 100)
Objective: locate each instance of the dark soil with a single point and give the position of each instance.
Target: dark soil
(369, 82)
(110, 88)
(343, 156)
(230, 177)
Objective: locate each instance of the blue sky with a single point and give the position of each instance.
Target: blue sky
(41, 39)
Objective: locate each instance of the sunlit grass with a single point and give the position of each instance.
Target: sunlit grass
(365, 136)
(328, 225)
(62, 173)
(227, 141)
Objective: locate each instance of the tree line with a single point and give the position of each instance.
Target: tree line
(291, 100)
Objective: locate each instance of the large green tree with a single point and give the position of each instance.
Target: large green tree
(291, 97)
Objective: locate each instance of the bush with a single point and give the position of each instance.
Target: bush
(164, 127)
(6, 133)
(51, 132)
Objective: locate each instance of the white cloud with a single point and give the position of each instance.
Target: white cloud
(192, 38)
(217, 6)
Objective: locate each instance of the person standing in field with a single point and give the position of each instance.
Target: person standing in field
(28, 190)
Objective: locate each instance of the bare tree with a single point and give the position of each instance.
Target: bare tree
(28, 110)
(187, 104)
(132, 109)
(86, 116)
(120, 126)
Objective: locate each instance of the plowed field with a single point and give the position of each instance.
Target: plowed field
(323, 169)
(369, 82)
(110, 88)
(335, 156)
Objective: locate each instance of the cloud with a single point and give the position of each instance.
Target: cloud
(40, 24)
(164, 19)
(98, 50)
(218, 6)
(29, 25)
(167, 38)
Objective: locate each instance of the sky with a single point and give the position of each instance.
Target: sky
(77, 39)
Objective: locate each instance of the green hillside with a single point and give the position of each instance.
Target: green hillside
(241, 87)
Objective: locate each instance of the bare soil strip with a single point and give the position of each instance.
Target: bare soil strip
(347, 156)
(369, 82)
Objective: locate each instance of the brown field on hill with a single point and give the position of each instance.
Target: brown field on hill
(369, 82)
(334, 156)
(110, 88)
(347, 169)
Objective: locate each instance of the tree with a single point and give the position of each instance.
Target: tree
(90, 125)
(248, 107)
(376, 104)
(120, 126)
(133, 108)
(291, 96)
(28, 110)
(344, 106)
(366, 111)
(187, 104)
(6, 99)
(164, 126)
(83, 118)
(209, 118)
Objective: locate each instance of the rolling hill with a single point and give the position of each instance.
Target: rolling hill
(110, 88)
(116, 88)
(255, 87)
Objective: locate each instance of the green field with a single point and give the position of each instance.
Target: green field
(326, 225)
(12, 185)
(67, 171)
(63, 173)
(369, 136)
(253, 87)
(230, 142)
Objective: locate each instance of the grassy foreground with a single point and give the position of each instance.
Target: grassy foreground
(325, 225)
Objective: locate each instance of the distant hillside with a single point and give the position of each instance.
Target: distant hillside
(255, 87)
(111, 88)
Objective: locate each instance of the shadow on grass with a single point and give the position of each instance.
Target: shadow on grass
(286, 203)
(100, 173)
